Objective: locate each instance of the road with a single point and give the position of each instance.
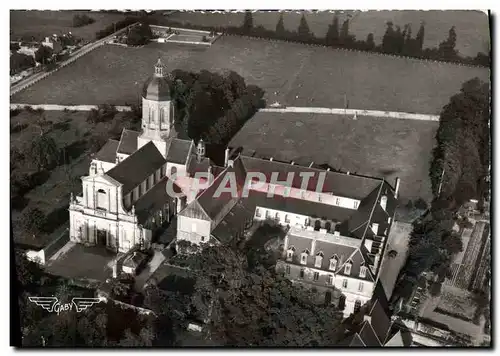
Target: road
(74, 56)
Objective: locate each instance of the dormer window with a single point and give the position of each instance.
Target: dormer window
(356, 204)
(289, 253)
(362, 271)
(319, 260)
(375, 228)
(383, 202)
(347, 268)
(303, 257)
(333, 263)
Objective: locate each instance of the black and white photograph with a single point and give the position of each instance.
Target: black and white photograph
(289, 178)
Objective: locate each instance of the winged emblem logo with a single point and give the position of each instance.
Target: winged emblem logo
(52, 304)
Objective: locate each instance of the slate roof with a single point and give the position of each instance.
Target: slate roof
(232, 223)
(137, 167)
(380, 321)
(341, 184)
(128, 142)
(353, 340)
(368, 336)
(108, 152)
(214, 206)
(178, 150)
(154, 199)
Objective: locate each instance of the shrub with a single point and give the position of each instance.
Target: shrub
(33, 221)
(420, 204)
(82, 20)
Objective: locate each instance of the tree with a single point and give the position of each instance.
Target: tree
(43, 152)
(280, 26)
(139, 35)
(255, 306)
(389, 39)
(82, 20)
(33, 221)
(370, 42)
(408, 47)
(447, 48)
(20, 62)
(14, 46)
(43, 54)
(346, 39)
(332, 35)
(303, 32)
(420, 39)
(248, 22)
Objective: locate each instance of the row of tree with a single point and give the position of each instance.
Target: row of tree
(115, 27)
(140, 35)
(396, 41)
(458, 172)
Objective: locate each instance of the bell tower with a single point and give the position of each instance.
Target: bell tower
(157, 109)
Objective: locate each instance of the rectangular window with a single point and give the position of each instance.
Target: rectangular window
(318, 261)
(333, 264)
(257, 212)
(287, 219)
(356, 203)
(347, 269)
(360, 287)
(303, 259)
(268, 214)
(301, 273)
(316, 276)
(203, 238)
(329, 281)
(287, 269)
(337, 201)
(140, 189)
(344, 283)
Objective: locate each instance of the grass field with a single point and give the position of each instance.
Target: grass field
(291, 74)
(471, 26)
(378, 147)
(46, 23)
(70, 131)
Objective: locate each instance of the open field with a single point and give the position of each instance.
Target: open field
(471, 26)
(291, 74)
(378, 147)
(40, 24)
(71, 133)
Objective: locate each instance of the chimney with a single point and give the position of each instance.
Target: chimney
(226, 157)
(270, 159)
(347, 173)
(396, 189)
(311, 164)
(292, 163)
(200, 150)
(210, 174)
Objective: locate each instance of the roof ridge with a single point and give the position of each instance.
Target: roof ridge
(373, 209)
(312, 168)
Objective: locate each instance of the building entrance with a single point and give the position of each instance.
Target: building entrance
(101, 237)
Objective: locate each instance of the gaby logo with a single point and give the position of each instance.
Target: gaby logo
(52, 304)
(253, 181)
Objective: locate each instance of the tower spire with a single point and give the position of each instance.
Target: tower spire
(159, 68)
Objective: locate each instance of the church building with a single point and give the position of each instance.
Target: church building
(124, 197)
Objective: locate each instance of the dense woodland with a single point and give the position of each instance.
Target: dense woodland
(398, 40)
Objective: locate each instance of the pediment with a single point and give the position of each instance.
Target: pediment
(101, 179)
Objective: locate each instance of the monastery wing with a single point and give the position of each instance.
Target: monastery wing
(82, 304)
(46, 303)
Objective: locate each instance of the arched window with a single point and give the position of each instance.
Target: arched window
(328, 226)
(317, 225)
(289, 253)
(102, 199)
(303, 257)
(357, 306)
(277, 216)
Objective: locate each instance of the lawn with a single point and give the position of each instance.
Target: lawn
(471, 26)
(71, 133)
(40, 24)
(378, 147)
(291, 74)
